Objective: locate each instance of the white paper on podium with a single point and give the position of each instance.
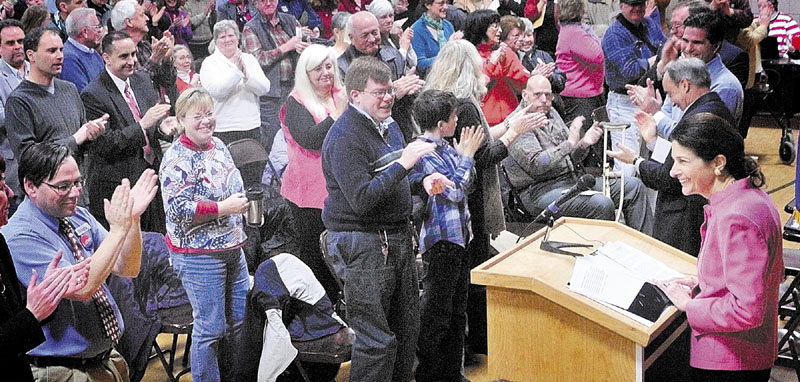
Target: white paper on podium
(600, 278)
(638, 262)
(615, 274)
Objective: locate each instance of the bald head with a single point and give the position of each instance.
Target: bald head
(364, 33)
(539, 93)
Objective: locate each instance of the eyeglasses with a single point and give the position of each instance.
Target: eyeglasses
(96, 27)
(65, 188)
(382, 93)
(199, 117)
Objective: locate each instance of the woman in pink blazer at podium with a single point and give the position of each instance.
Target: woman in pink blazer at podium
(732, 304)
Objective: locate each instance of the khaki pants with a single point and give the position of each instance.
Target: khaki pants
(114, 369)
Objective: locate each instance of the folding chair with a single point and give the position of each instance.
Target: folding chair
(514, 209)
(250, 158)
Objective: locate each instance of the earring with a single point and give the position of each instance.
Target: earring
(717, 172)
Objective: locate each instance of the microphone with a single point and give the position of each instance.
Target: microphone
(584, 183)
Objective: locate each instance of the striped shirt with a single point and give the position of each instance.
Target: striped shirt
(783, 27)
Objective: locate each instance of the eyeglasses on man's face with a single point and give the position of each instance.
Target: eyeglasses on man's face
(382, 92)
(65, 188)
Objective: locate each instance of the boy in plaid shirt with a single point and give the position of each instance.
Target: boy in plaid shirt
(444, 235)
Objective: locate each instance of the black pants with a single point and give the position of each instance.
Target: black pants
(443, 317)
(309, 226)
(702, 375)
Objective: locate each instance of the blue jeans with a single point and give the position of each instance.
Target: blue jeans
(445, 280)
(635, 205)
(382, 302)
(217, 285)
(620, 109)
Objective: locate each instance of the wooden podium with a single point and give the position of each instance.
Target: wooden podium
(538, 330)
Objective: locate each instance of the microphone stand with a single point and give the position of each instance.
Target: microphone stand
(556, 246)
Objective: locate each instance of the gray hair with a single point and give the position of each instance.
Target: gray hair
(693, 70)
(78, 19)
(122, 11)
(339, 20)
(224, 25)
(528, 24)
(380, 8)
(349, 26)
(178, 48)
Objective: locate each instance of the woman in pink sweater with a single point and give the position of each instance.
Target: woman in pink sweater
(732, 304)
(580, 56)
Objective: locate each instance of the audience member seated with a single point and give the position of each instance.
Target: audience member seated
(20, 318)
(630, 45)
(339, 33)
(205, 233)
(391, 35)
(677, 217)
(199, 12)
(136, 122)
(186, 77)
(431, 31)
(702, 37)
(783, 27)
(82, 63)
(506, 74)
(468, 83)
(580, 56)
(272, 38)
(80, 336)
(532, 57)
(732, 303)
(542, 165)
(235, 81)
(316, 102)
(240, 11)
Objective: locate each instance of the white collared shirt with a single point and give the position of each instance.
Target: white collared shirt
(121, 86)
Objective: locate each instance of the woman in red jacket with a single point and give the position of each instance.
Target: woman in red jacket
(507, 75)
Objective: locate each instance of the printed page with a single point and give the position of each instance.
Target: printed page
(637, 262)
(604, 280)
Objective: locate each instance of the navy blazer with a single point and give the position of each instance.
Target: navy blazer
(678, 217)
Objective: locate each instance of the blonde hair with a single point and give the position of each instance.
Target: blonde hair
(312, 57)
(464, 80)
(194, 98)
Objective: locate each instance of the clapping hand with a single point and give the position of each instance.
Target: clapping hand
(144, 191)
(625, 154)
(646, 99)
(471, 139)
(647, 126)
(43, 298)
(592, 135)
(119, 210)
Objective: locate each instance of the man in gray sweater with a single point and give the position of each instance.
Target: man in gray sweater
(545, 162)
(45, 108)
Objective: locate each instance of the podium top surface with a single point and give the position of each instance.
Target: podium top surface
(526, 267)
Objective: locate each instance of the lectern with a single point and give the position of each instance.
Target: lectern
(538, 330)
